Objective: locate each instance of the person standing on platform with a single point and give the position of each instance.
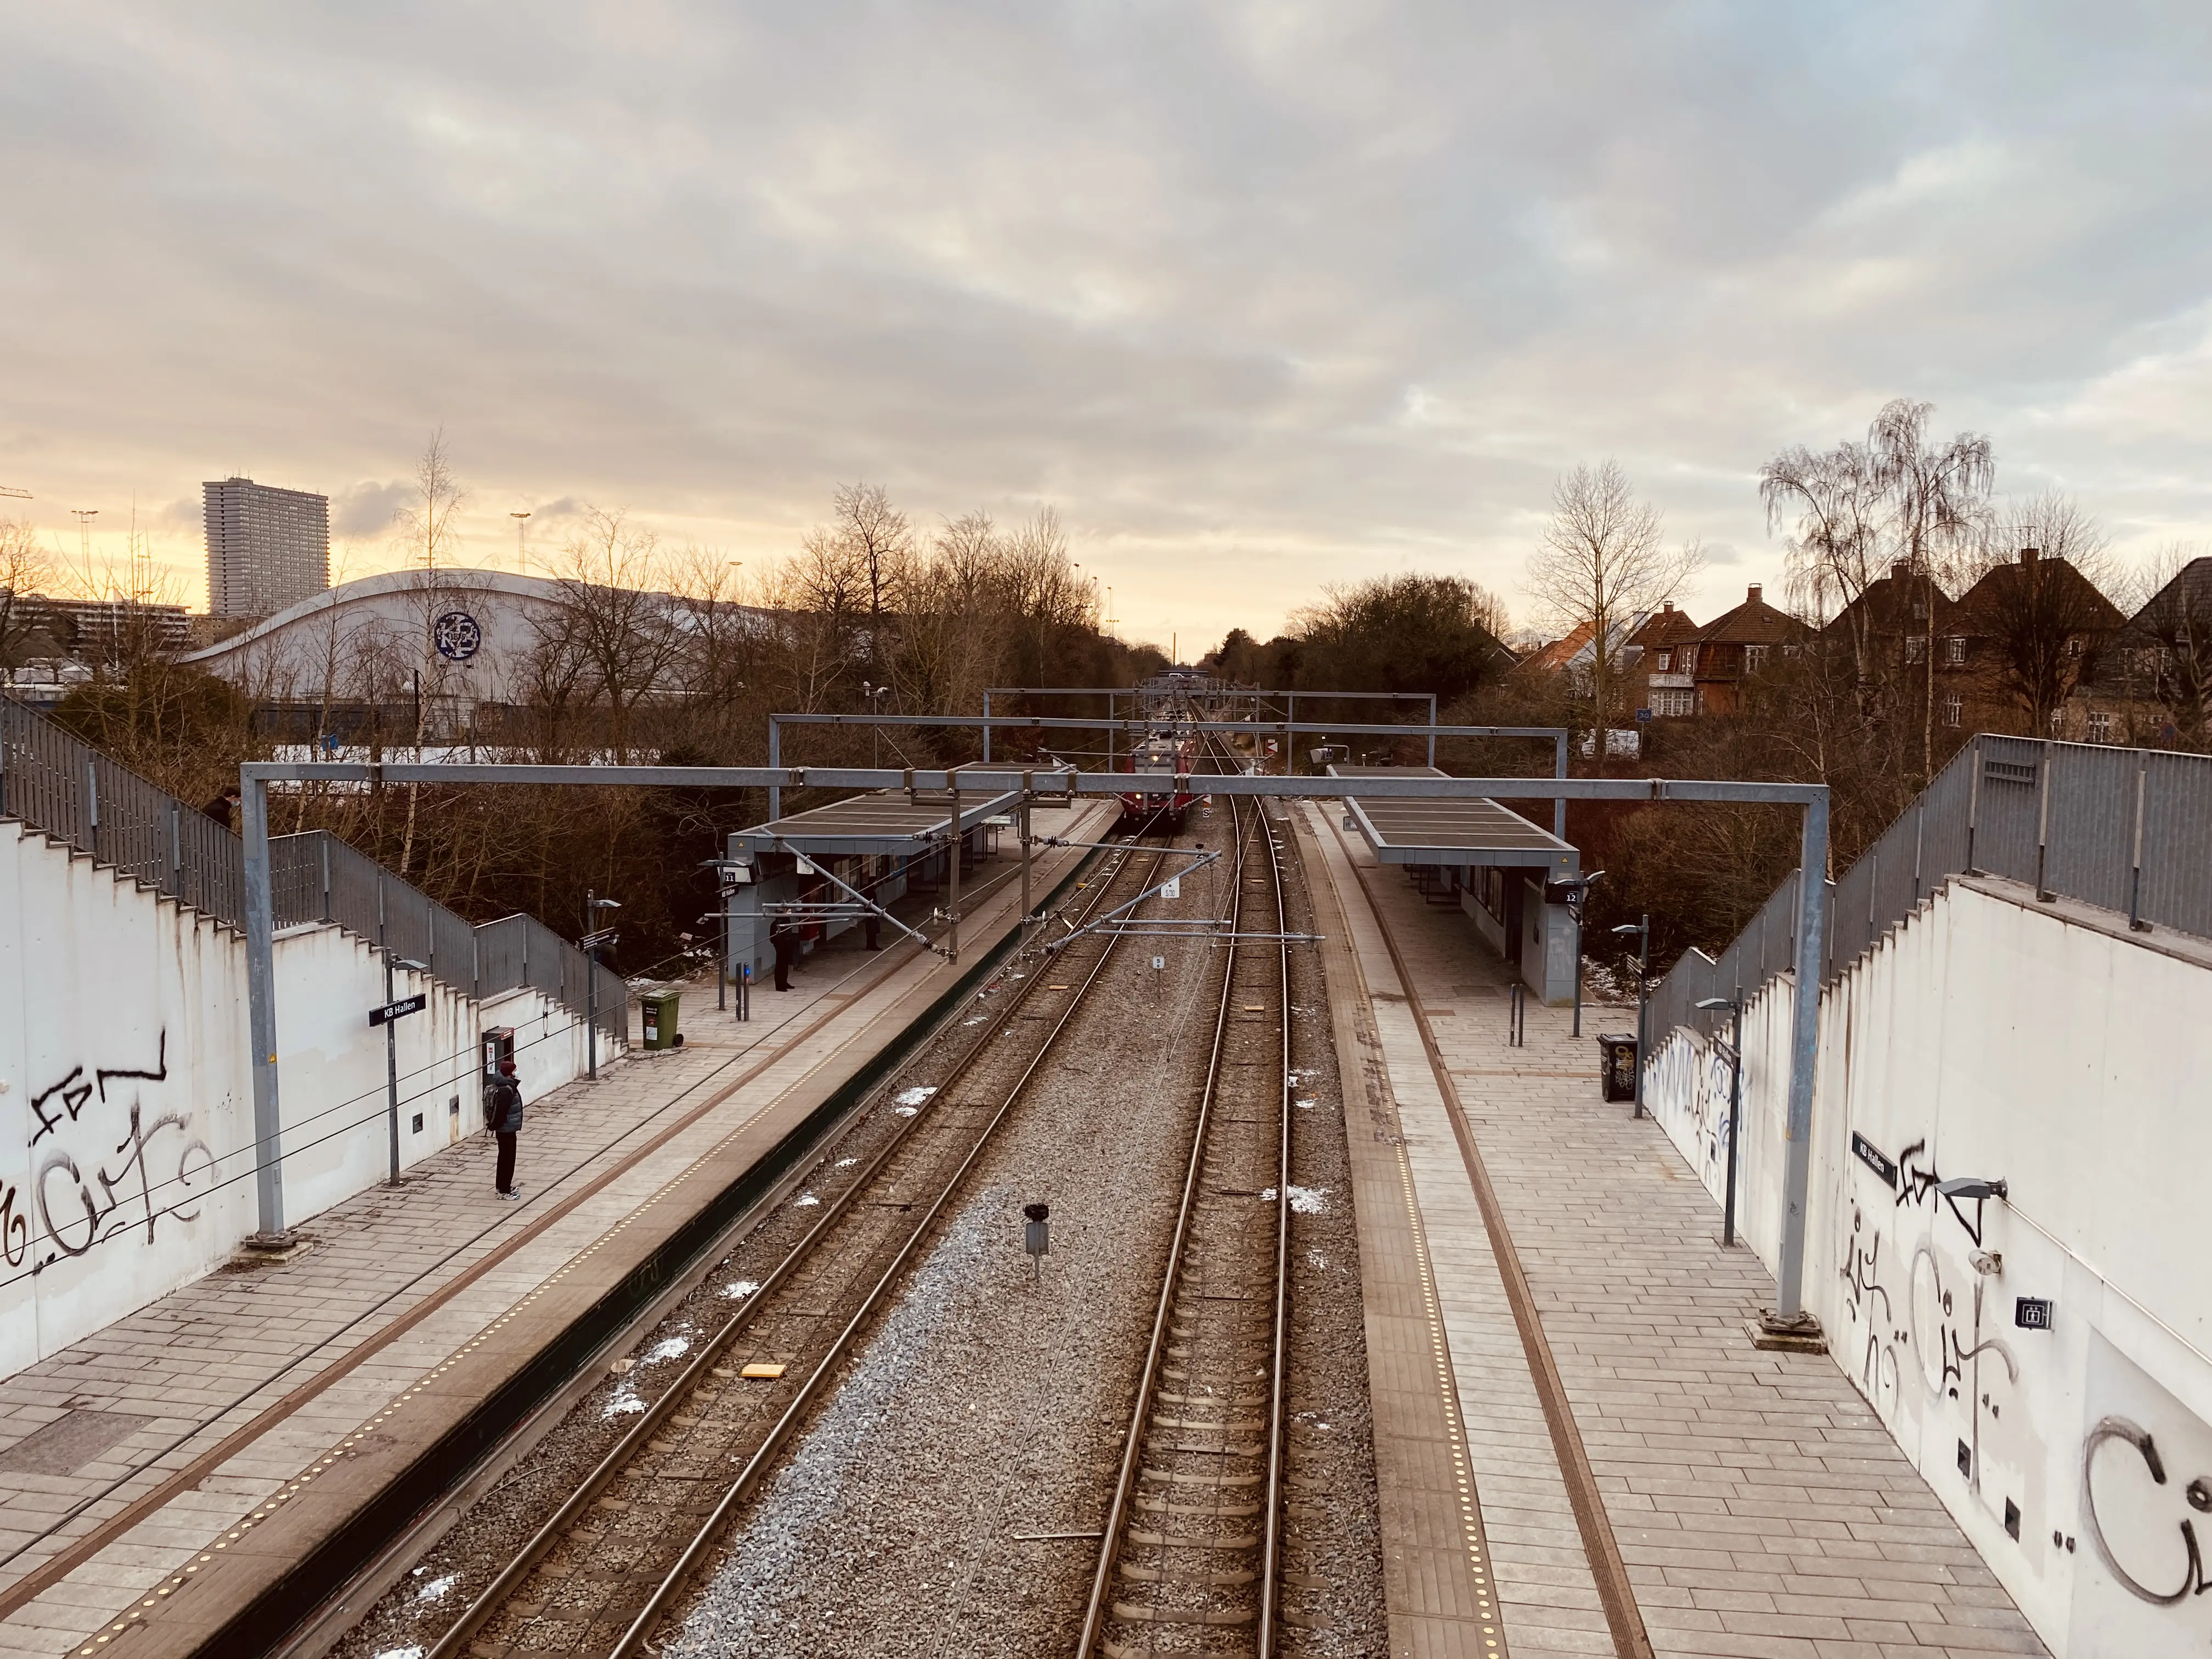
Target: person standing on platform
(783, 934)
(503, 1113)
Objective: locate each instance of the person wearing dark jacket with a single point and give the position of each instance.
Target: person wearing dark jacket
(223, 809)
(783, 934)
(503, 1114)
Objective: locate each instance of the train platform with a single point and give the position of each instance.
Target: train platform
(1579, 1451)
(237, 1443)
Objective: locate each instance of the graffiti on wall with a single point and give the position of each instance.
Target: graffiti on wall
(107, 1159)
(1688, 1090)
(1922, 1336)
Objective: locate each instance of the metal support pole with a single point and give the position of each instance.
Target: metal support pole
(987, 725)
(2135, 923)
(2042, 893)
(391, 1059)
(1735, 1112)
(1432, 725)
(592, 977)
(1289, 739)
(261, 1012)
(1559, 770)
(1025, 859)
(1109, 731)
(1804, 1044)
(1643, 1008)
(1578, 913)
(776, 760)
(952, 883)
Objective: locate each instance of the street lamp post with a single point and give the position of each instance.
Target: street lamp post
(1734, 1007)
(1577, 901)
(591, 941)
(389, 1016)
(1641, 929)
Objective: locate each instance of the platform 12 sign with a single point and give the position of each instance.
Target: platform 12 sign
(399, 1009)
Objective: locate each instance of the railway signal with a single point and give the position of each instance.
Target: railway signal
(1037, 1238)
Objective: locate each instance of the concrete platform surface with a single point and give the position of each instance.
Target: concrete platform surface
(1759, 1508)
(201, 1447)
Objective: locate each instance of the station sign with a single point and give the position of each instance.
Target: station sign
(399, 1009)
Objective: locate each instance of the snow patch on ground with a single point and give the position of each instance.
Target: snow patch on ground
(805, 1202)
(676, 1347)
(914, 1097)
(742, 1288)
(1306, 1200)
(436, 1589)
(401, 1653)
(625, 1402)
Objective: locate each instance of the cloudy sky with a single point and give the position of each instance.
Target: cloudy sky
(1261, 296)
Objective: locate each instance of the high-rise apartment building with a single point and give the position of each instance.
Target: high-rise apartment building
(266, 548)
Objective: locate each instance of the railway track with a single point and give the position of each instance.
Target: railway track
(1191, 1551)
(612, 1565)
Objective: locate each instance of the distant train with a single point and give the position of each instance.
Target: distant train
(1166, 755)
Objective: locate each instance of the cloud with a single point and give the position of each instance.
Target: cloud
(368, 508)
(1261, 297)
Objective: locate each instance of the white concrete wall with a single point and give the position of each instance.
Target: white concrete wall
(126, 1161)
(1990, 1037)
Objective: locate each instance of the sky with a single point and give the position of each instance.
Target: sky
(1261, 297)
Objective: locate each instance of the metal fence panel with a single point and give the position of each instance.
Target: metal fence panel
(2067, 814)
(2177, 843)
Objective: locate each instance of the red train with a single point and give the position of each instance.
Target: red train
(1166, 755)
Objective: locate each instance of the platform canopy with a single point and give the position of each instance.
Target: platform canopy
(883, 822)
(1405, 831)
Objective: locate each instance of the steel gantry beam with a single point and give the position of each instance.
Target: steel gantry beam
(255, 777)
(987, 722)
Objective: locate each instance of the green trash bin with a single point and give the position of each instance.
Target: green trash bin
(660, 1009)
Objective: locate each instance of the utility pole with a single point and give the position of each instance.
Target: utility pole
(85, 515)
(1642, 930)
(591, 941)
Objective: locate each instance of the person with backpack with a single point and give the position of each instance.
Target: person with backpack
(502, 1098)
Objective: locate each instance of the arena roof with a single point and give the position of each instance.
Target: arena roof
(1463, 832)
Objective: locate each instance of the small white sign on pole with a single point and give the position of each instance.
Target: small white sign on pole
(1171, 888)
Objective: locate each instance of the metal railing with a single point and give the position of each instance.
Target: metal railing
(2127, 830)
(66, 788)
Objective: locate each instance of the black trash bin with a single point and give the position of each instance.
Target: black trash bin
(1617, 1057)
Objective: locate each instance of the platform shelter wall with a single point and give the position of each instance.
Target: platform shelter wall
(126, 1103)
(1989, 1036)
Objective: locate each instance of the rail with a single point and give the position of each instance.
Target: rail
(2127, 830)
(934, 1126)
(64, 787)
(1189, 1574)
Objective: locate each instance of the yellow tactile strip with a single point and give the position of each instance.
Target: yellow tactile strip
(1470, 1507)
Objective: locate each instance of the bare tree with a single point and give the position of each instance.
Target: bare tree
(1602, 564)
(1834, 500)
(428, 532)
(1938, 497)
(2037, 603)
(2167, 644)
(614, 618)
(27, 570)
(878, 544)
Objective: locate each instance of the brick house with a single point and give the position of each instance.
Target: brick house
(1732, 650)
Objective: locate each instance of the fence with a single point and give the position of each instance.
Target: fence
(2127, 830)
(72, 792)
